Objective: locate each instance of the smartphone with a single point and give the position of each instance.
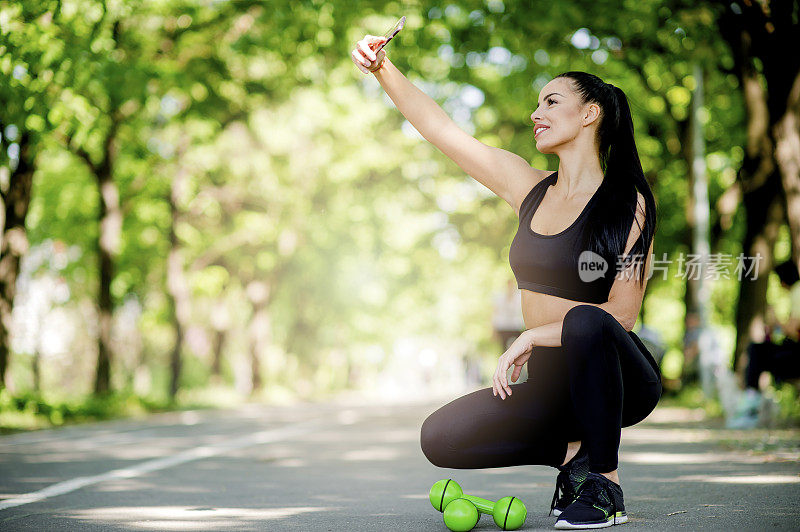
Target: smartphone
(389, 35)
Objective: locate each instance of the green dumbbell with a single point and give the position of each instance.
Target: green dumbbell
(509, 513)
(461, 515)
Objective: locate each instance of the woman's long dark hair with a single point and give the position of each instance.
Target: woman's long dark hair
(610, 220)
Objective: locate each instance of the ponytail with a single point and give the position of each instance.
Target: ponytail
(610, 220)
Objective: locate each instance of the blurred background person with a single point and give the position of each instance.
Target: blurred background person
(778, 354)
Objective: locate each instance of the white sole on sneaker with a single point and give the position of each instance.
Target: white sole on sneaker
(566, 525)
(556, 512)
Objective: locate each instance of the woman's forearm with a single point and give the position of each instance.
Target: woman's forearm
(420, 110)
(547, 335)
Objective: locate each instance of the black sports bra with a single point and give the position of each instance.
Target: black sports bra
(553, 264)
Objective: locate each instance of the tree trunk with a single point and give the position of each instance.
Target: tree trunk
(255, 368)
(775, 29)
(110, 221)
(220, 323)
(760, 236)
(258, 293)
(763, 31)
(687, 236)
(700, 288)
(787, 154)
(37, 371)
(177, 285)
(14, 244)
(180, 308)
(216, 365)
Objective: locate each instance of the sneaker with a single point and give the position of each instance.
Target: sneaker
(569, 480)
(598, 505)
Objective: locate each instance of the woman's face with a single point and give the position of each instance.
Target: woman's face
(561, 113)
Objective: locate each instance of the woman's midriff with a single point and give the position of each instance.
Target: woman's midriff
(540, 309)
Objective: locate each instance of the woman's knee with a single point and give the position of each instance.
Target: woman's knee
(433, 441)
(447, 431)
(583, 324)
(635, 409)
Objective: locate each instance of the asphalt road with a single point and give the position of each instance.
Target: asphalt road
(356, 465)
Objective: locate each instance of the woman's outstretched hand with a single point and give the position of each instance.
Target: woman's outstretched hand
(516, 355)
(363, 55)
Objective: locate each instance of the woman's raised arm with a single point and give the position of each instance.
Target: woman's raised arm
(505, 173)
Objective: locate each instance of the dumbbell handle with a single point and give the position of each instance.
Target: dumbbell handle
(484, 506)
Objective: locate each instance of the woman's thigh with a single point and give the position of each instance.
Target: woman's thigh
(641, 378)
(480, 430)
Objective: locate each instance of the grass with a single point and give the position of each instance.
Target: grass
(692, 396)
(32, 411)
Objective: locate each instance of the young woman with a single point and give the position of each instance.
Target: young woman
(580, 259)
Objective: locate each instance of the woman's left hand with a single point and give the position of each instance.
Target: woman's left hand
(517, 355)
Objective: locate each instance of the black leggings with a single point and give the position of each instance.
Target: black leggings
(600, 379)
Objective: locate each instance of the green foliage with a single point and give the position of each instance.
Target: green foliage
(787, 395)
(31, 410)
(301, 174)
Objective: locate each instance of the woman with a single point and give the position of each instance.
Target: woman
(580, 299)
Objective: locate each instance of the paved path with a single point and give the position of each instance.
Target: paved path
(356, 465)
